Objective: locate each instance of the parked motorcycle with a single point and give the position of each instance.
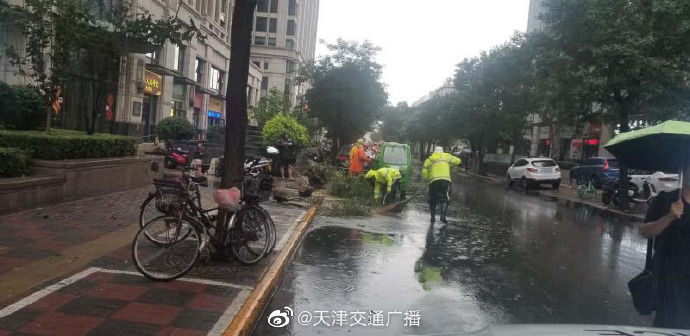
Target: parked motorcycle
(254, 166)
(611, 193)
(177, 157)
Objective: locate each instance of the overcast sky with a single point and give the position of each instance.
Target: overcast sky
(421, 40)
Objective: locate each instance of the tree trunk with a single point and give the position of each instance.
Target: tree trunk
(236, 101)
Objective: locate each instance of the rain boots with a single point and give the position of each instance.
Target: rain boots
(444, 209)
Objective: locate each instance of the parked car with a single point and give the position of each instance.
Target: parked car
(396, 155)
(530, 172)
(658, 182)
(599, 170)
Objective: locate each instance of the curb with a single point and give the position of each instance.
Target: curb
(253, 307)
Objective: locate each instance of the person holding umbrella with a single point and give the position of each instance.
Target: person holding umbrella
(668, 223)
(664, 285)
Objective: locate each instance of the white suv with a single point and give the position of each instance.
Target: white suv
(533, 172)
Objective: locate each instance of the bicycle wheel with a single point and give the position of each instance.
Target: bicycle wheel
(271, 230)
(249, 237)
(149, 212)
(168, 256)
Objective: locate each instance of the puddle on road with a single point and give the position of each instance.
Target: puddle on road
(505, 257)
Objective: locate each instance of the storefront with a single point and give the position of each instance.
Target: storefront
(215, 112)
(152, 91)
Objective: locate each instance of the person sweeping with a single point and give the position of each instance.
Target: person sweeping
(436, 171)
(388, 177)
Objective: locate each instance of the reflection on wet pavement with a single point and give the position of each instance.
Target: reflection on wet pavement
(504, 257)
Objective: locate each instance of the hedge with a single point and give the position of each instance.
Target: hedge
(62, 144)
(21, 108)
(13, 162)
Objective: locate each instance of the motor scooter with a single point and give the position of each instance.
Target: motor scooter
(611, 193)
(182, 158)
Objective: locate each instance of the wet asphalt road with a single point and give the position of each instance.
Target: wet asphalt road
(505, 257)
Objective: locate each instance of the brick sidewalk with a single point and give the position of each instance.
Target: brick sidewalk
(67, 268)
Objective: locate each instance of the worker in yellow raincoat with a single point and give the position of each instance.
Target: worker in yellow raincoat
(388, 177)
(436, 172)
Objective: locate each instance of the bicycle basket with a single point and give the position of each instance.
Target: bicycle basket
(170, 196)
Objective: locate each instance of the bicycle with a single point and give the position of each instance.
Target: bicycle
(151, 206)
(586, 189)
(168, 246)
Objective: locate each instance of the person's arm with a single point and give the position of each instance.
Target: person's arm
(654, 228)
(425, 172)
(454, 160)
(377, 190)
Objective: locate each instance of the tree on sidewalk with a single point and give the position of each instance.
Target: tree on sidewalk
(236, 102)
(346, 95)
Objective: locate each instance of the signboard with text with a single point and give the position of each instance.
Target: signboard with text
(152, 83)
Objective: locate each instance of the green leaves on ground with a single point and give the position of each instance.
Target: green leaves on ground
(175, 128)
(358, 195)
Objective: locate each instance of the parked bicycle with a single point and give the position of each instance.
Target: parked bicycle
(170, 244)
(586, 189)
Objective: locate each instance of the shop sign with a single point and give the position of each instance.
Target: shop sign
(152, 83)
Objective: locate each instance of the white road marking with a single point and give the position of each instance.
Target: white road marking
(195, 280)
(46, 291)
(225, 319)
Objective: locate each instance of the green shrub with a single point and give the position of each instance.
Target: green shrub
(61, 144)
(21, 108)
(281, 123)
(175, 128)
(216, 134)
(13, 162)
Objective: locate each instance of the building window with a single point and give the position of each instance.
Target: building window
(291, 27)
(273, 23)
(290, 44)
(272, 41)
(264, 86)
(289, 66)
(274, 6)
(177, 109)
(178, 63)
(260, 40)
(261, 23)
(215, 81)
(199, 66)
(292, 7)
(265, 65)
(262, 6)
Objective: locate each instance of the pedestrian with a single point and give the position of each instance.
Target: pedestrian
(287, 156)
(388, 177)
(357, 158)
(668, 221)
(436, 171)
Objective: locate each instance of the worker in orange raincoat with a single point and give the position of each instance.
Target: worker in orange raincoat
(358, 158)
